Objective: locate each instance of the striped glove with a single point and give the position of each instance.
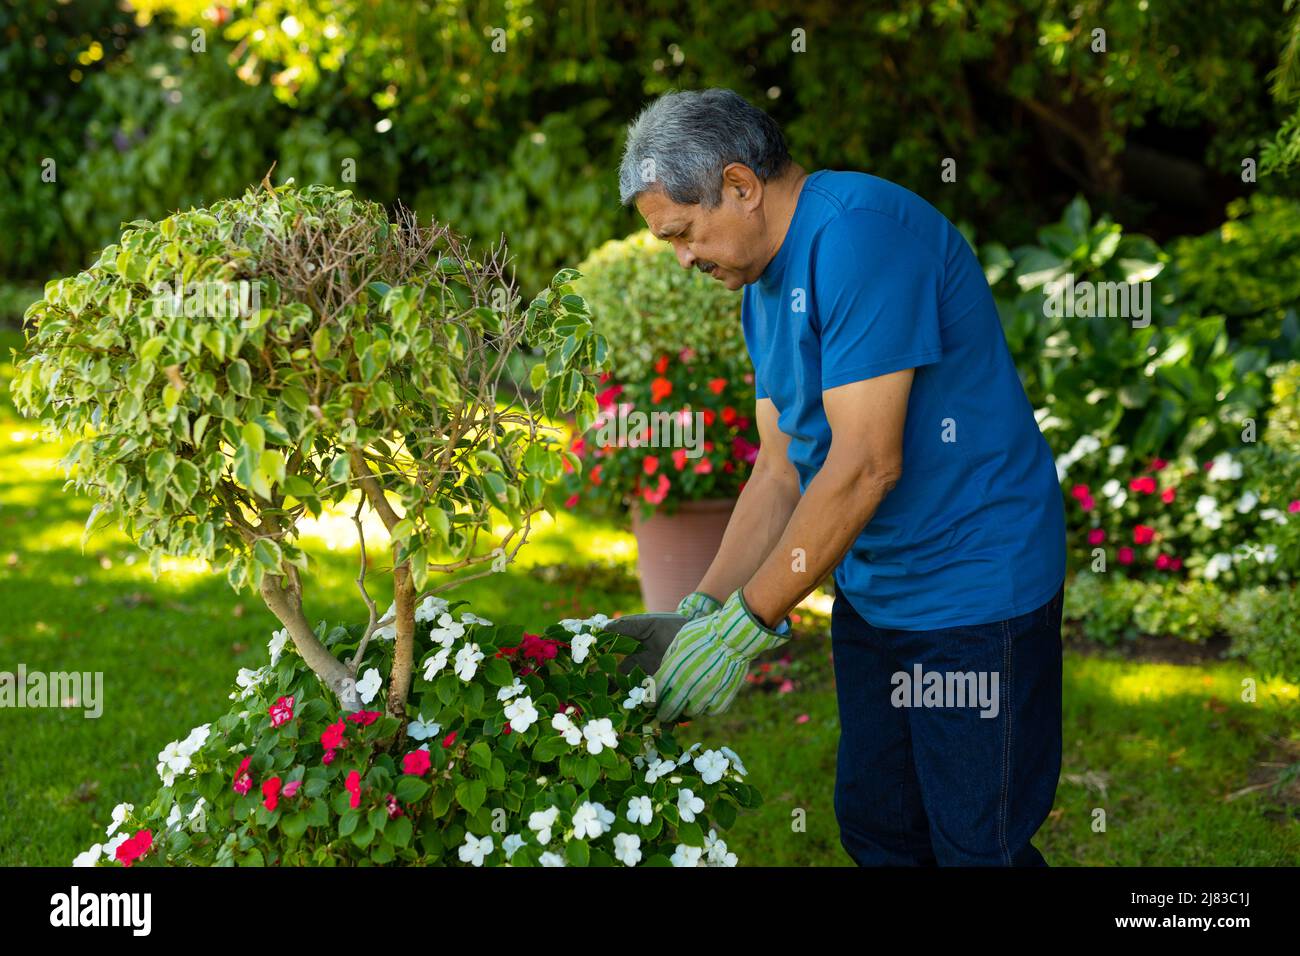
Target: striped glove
(706, 663)
(696, 604)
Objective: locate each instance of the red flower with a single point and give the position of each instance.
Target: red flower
(1168, 495)
(729, 415)
(728, 466)
(1096, 536)
(290, 789)
(416, 763)
(271, 793)
(364, 717)
(661, 366)
(1143, 534)
(353, 786)
(134, 848)
(394, 808)
(607, 398)
(243, 779)
(328, 757)
(658, 494)
(1145, 484)
(744, 450)
(604, 377)
(679, 458)
(571, 501)
(1158, 464)
(716, 385)
(1086, 503)
(332, 737)
(1176, 564)
(1080, 492)
(650, 464)
(1125, 555)
(449, 739)
(704, 467)
(281, 711)
(595, 474)
(1162, 561)
(660, 389)
(710, 416)
(1294, 506)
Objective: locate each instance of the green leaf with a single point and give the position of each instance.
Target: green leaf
(471, 794)
(410, 789)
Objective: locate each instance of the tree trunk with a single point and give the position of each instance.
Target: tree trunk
(399, 679)
(286, 605)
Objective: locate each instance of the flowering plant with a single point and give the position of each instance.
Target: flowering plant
(528, 750)
(686, 435)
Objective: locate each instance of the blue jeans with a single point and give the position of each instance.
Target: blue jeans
(958, 769)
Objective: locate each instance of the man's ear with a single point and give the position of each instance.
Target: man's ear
(740, 181)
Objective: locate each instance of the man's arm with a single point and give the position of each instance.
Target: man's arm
(762, 510)
(864, 462)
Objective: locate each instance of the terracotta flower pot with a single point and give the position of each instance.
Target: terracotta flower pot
(674, 551)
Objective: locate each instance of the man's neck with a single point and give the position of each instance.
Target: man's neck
(785, 193)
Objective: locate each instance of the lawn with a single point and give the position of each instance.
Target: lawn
(1160, 747)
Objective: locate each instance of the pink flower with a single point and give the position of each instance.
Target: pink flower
(243, 779)
(704, 467)
(328, 756)
(281, 711)
(1162, 562)
(658, 494)
(679, 458)
(1086, 503)
(1096, 536)
(1176, 564)
(1168, 495)
(1145, 484)
(1143, 534)
(745, 450)
(449, 739)
(134, 848)
(332, 737)
(1158, 464)
(1079, 492)
(271, 793)
(394, 808)
(608, 397)
(802, 719)
(650, 464)
(787, 685)
(353, 786)
(416, 763)
(1126, 555)
(571, 501)
(364, 717)
(1294, 506)
(290, 789)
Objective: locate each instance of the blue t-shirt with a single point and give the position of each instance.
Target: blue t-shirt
(872, 279)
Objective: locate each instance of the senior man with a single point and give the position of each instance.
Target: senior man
(900, 452)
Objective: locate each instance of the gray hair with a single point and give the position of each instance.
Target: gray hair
(682, 141)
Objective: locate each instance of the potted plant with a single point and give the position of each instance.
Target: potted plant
(673, 441)
(225, 371)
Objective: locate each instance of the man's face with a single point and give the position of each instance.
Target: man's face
(725, 242)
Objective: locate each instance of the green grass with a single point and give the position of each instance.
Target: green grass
(1168, 743)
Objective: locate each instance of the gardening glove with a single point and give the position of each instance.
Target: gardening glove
(656, 630)
(706, 663)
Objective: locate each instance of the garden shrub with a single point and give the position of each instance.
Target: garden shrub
(526, 750)
(1263, 625)
(641, 298)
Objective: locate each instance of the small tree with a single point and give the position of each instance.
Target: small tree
(226, 370)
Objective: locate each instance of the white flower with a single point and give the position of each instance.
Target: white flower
(468, 618)
(1247, 503)
(574, 624)
(1085, 446)
(174, 817)
(688, 804)
(467, 659)
(436, 663)
(1217, 565)
(568, 730)
(89, 857)
(120, 813)
(421, 729)
(1111, 488)
(1225, 468)
(627, 848)
(110, 848)
(686, 855)
(659, 768)
(369, 685)
(580, 645)
(514, 690)
(430, 608)
(176, 758)
(521, 713)
(640, 810)
(600, 734)
(735, 760)
(1207, 509)
(1115, 454)
(711, 765)
(276, 646)
(247, 681)
(474, 849)
(551, 859)
(716, 851)
(635, 698)
(1274, 515)
(447, 632)
(1266, 554)
(541, 821)
(196, 739)
(591, 820)
(512, 843)
(385, 632)
(685, 758)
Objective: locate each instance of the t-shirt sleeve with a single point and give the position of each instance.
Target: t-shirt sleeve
(876, 288)
(759, 391)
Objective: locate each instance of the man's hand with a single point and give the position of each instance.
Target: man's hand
(707, 661)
